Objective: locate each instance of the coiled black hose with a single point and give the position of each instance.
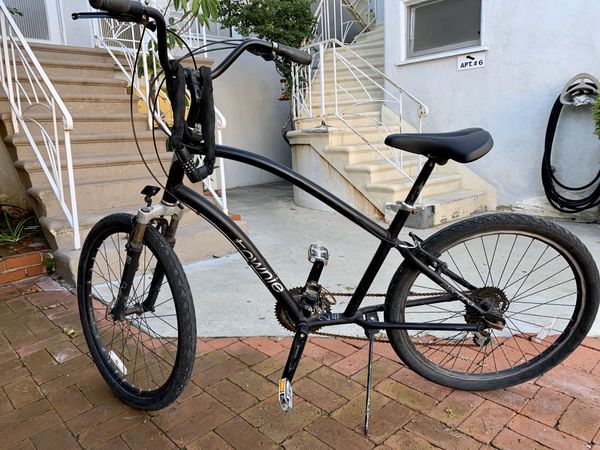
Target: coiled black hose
(552, 184)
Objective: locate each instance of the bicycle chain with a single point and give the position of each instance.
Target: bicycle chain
(378, 336)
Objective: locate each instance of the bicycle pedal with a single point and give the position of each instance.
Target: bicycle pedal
(286, 395)
(318, 253)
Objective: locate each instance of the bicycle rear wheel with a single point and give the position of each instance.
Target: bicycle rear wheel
(538, 275)
(147, 357)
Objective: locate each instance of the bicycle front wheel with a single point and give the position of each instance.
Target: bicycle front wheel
(541, 279)
(147, 357)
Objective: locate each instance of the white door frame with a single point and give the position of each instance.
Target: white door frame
(56, 25)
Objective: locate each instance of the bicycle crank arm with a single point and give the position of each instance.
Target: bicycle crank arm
(286, 395)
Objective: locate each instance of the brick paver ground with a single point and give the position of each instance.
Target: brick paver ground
(51, 395)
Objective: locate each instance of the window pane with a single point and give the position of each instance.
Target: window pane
(444, 25)
(34, 21)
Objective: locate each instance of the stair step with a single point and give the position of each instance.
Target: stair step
(90, 144)
(102, 167)
(381, 170)
(60, 233)
(367, 53)
(358, 66)
(347, 106)
(364, 119)
(376, 33)
(355, 148)
(346, 136)
(68, 85)
(397, 190)
(88, 102)
(92, 195)
(84, 122)
(194, 242)
(64, 67)
(91, 102)
(70, 53)
(443, 208)
(347, 81)
(367, 45)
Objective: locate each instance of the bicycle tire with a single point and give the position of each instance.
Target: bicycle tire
(531, 343)
(153, 374)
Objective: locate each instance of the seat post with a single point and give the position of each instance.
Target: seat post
(412, 196)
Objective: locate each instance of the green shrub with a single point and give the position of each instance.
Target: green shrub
(596, 114)
(288, 22)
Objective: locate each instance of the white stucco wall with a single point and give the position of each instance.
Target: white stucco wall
(247, 96)
(534, 48)
(76, 32)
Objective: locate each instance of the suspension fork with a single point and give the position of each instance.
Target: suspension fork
(159, 272)
(134, 249)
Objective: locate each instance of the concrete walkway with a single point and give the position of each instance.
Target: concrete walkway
(52, 396)
(231, 301)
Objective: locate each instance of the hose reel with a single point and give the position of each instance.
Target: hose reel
(581, 90)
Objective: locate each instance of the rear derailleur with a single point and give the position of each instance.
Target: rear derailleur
(494, 303)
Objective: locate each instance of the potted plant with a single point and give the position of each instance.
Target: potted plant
(288, 22)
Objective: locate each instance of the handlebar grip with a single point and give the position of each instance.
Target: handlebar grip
(129, 7)
(293, 54)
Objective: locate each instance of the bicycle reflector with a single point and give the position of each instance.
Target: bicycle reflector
(580, 90)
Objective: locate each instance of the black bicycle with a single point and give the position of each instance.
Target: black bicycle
(485, 303)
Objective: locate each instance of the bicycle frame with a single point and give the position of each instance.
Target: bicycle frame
(176, 191)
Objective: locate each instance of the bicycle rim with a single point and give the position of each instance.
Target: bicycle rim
(142, 351)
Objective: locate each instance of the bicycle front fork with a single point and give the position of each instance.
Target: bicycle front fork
(143, 218)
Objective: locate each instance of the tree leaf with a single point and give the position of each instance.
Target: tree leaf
(195, 7)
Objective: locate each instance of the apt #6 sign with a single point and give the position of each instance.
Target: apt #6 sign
(470, 61)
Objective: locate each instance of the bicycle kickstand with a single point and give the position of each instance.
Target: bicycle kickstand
(286, 395)
(371, 336)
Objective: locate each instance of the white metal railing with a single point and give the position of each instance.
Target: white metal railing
(342, 84)
(343, 19)
(121, 41)
(39, 113)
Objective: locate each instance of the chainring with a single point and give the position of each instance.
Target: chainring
(284, 318)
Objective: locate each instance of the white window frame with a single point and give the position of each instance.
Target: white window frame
(405, 38)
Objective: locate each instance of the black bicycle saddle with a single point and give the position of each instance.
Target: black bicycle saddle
(463, 146)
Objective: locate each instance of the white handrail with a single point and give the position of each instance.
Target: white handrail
(363, 85)
(114, 36)
(28, 89)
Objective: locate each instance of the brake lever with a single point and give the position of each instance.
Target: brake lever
(267, 55)
(121, 18)
(91, 15)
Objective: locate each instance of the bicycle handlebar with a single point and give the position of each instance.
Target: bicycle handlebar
(119, 6)
(293, 54)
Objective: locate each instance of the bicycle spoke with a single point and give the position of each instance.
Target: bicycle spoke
(540, 288)
(140, 354)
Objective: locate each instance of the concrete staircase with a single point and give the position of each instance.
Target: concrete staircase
(349, 144)
(109, 173)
